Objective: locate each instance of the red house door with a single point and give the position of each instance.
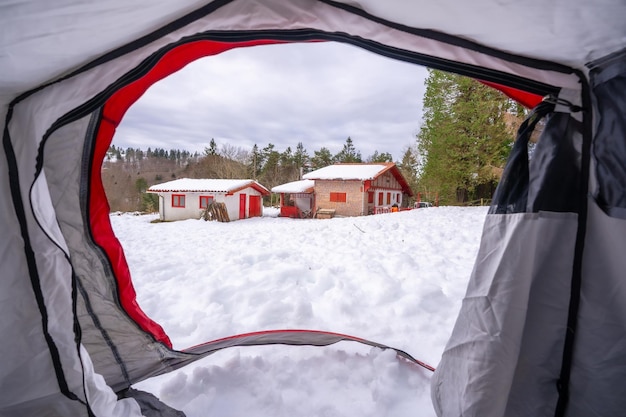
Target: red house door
(255, 206)
(242, 206)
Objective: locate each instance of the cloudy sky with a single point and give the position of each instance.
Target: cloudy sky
(318, 94)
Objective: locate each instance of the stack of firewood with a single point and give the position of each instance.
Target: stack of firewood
(216, 211)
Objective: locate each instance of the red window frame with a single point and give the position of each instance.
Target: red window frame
(338, 197)
(370, 198)
(206, 199)
(178, 200)
(380, 199)
(388, 198)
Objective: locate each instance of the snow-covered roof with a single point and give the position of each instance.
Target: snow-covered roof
(206, 185)
(361, 172)
(302, 186)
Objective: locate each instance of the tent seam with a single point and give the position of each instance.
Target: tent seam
(576, 280)
(454, 40)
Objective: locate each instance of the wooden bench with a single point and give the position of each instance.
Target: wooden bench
(325, 213)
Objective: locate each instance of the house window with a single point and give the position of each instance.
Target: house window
(370, 198)
(205, 200)
(380, 199)
(388, 198)
(178, 200)
(338, 197)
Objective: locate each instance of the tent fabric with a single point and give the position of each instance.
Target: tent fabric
(494, 364)
(70, 71)
(565, 32)
(596, 353)
(508, 342)
(540, 331)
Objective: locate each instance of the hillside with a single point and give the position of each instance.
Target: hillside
(127, 174)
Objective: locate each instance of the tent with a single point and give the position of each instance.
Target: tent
(541, 330)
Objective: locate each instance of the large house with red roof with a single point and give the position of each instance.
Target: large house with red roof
(345, 190)
(187, 198)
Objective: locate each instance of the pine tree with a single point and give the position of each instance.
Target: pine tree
(256, 162)
(286, 158)
(380, 157)
(212, 149)
(322, 158)
(409, 167)
(301, 159)
(348, 154)
(464, 138)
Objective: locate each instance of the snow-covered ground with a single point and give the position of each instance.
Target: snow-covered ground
(397, 279)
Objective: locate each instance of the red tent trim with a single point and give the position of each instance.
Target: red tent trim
(114, 110)
(525, 98)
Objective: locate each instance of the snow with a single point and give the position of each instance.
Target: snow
(206, 185)
(397, 279)
(294, 187)
(347, 172)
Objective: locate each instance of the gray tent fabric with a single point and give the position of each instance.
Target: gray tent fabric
(150, 405)
(541, 328)
(599, 364)
(540, 331)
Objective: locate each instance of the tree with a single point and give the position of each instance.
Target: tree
(271, 167)
(256, 162)
(212, 149)
(301, 159)
(322, 158)
(409, 167)
(380, 157)
(286, 158)
(348, 153)
(148, 202)
(464, 138)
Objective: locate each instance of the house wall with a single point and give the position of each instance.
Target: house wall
(192, 208)
(355, 198)
(384, 184)
(232, 202)
(190, 211)
(387, 181)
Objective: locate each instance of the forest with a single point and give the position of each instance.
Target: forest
(127, 173)
(457, 158)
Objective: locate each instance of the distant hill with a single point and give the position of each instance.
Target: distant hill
(127, 174)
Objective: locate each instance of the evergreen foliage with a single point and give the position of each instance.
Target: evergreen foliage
(464, 140)
(409, 168)
(128, 173)
(348, 154)
(380, 157)
(322, 158)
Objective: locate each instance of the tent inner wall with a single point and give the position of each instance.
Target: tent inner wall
(64, 127)
(117, 346)
(558, 265)
(599, 356)
(505, 353)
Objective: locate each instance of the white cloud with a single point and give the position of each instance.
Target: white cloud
(318, 94)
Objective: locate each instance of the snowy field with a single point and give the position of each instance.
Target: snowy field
(397, 279)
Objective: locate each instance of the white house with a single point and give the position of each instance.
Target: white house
(187, 198)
